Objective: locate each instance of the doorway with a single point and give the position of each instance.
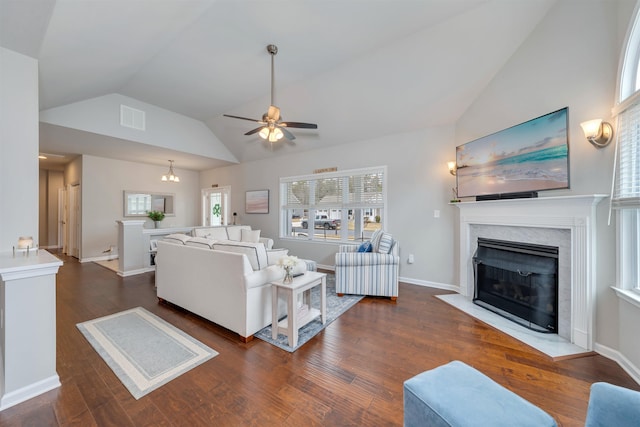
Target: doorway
(215, 206)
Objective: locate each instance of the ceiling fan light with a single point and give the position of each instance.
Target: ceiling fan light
(264, 133)
(278, 134)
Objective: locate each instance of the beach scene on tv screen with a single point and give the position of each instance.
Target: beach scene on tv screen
(531, 156)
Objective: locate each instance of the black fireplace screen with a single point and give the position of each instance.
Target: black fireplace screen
(518, 281)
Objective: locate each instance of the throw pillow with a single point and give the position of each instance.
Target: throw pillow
(178, 238)
(375, 239)
(274, 255)
(234, 231)
(365, 247)
(250, 236)
(386, 241)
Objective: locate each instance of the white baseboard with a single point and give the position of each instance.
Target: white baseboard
(428, 284)
(100, 258)
(32, 390)
(134, 272)
(620, 359)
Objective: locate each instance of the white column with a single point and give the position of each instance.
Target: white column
(131, 250)
(28, 326)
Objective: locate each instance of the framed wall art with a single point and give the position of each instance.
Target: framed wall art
(257, 202)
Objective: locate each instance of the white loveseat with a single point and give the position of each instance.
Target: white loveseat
(227, 282)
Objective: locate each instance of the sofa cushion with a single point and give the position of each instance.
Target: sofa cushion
(251, 236)
(274, 255)
(234, 232)
(200, 242)
(177, 238)
(386, 241)
(216, 233)
(255, 252)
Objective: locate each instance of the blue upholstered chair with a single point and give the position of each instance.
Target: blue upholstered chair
(611, 405)
(369, 273)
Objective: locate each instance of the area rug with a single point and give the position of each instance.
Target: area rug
(336, 306)
(144, 351)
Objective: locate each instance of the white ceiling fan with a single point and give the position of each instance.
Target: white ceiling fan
(272, 127)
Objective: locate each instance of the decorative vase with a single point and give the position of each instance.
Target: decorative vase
(288, 277)
(157, 224)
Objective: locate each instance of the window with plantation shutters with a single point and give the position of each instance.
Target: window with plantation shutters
(625, 197)
(336, 206)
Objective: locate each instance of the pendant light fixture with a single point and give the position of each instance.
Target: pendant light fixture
(170, 176)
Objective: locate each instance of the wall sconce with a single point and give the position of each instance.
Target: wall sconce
(170, 176)
(597, 132)
(452, 168)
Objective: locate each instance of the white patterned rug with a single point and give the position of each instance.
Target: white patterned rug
(144, 351)
(336, 306)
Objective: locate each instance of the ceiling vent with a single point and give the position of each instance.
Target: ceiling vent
(132, 118)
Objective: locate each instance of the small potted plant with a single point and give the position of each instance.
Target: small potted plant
(156, 217)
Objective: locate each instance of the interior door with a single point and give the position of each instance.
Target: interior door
(215, 203)
(73, 223)
(62, 219)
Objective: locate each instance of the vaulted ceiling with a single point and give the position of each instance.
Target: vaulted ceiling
(358, 68)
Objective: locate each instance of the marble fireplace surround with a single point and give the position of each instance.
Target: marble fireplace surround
(567, 222)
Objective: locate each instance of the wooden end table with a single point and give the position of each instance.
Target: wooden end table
(303, 284)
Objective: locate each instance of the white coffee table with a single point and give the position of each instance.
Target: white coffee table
(301, 285)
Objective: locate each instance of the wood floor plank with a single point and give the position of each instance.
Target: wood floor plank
(350, 374)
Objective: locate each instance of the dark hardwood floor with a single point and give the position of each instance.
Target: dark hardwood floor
(350, 374)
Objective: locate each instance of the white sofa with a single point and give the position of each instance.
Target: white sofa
(227, 282)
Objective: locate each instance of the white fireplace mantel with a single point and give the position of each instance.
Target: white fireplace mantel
(574, 213)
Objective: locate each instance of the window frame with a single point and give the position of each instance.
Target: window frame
(628, 214)
(344, 205)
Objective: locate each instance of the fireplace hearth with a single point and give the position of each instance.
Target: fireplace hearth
(518, 281)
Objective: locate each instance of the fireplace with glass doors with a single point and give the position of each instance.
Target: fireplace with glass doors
(518, 281)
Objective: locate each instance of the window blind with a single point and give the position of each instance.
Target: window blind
(351, 189)
(626, 192)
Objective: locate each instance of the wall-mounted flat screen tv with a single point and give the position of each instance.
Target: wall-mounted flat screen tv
(524, 159)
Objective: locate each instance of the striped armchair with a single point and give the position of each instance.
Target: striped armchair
(369, 273)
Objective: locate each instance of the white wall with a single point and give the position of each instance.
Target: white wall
(103, 184)
(418, 180)
(18, 148)
(567, 62)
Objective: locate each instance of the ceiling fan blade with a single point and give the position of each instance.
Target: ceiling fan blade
(273, 113)
(242, 118)
(287, 134)
(256, 130)
(299, 125)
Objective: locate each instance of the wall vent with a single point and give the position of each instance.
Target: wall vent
(132, 118)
